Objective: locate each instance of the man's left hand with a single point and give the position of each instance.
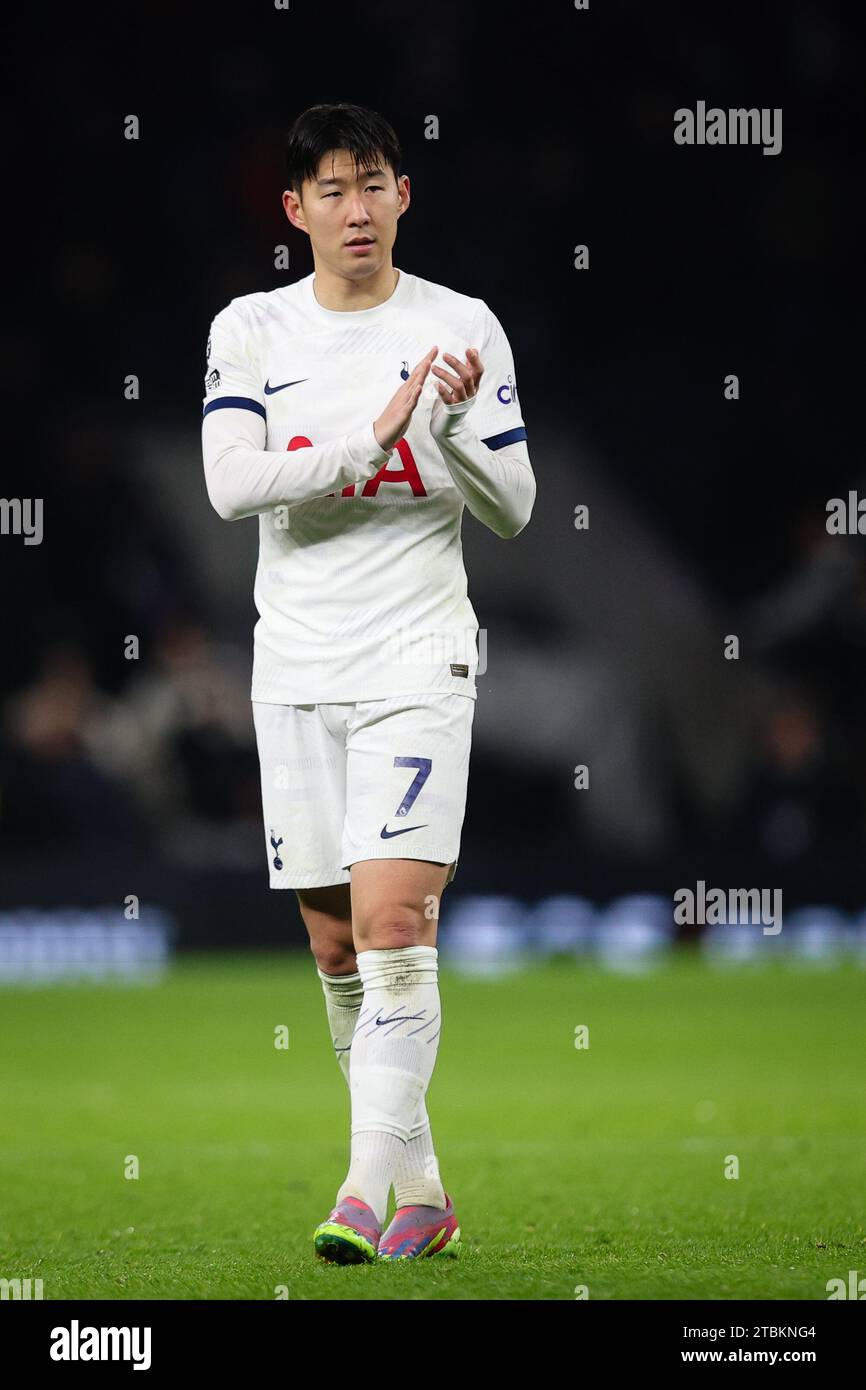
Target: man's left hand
(456, 390)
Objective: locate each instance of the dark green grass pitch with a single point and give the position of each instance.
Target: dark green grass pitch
(602, 1167)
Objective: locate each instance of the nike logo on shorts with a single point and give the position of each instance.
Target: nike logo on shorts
(386, 834)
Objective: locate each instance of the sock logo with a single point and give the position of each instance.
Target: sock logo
(400, 1018)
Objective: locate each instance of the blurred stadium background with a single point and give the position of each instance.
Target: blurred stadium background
(603, 647)
(137, 779)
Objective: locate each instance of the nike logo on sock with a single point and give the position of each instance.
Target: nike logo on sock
(400, 1018)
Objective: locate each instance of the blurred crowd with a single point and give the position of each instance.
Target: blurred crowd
(702, 263)
(149, 744)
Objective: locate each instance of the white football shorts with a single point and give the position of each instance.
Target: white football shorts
(371, 779)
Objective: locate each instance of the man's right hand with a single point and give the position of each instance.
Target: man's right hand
(394, 420)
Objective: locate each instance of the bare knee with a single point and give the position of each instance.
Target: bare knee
(388, 931)
(395, 902)
(327, 915)
(334, 959)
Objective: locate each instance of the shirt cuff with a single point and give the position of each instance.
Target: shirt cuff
(364, 448)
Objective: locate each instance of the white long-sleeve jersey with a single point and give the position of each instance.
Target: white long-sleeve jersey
(360, 588)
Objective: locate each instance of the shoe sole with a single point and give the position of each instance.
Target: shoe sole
(341, 1245)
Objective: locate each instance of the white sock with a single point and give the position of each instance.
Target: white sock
(343, 997)
(416, 1175)
(392, 1056)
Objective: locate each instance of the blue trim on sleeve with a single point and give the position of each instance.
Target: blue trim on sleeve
(238, 402)
(499, 441)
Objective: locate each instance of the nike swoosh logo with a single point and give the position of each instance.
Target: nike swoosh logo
(270, 390)
(386, 834)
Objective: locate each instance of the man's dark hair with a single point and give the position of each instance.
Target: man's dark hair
(318, 131)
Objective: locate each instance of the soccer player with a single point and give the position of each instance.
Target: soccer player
(329, 415)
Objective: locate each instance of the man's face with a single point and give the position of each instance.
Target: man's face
(339, 207)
